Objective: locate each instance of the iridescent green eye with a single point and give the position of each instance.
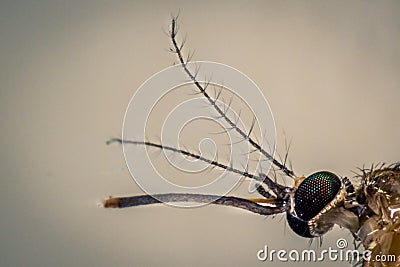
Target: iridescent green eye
(311, 197)
(314, 193)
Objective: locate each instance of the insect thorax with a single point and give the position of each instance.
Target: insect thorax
(380, 220)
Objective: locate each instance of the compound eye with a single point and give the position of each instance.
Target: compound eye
(315, 193)
(298, 226)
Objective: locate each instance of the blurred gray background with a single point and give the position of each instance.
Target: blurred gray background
(329, 69)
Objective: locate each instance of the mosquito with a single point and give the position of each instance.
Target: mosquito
(317, 202)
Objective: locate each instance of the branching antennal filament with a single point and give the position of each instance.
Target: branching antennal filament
(178, 50)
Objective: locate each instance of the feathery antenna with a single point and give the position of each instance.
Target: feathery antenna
(177, 48)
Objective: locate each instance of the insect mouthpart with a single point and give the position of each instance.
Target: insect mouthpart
(315, 195)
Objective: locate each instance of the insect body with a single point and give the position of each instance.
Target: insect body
(313, 205)
(379, 195)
